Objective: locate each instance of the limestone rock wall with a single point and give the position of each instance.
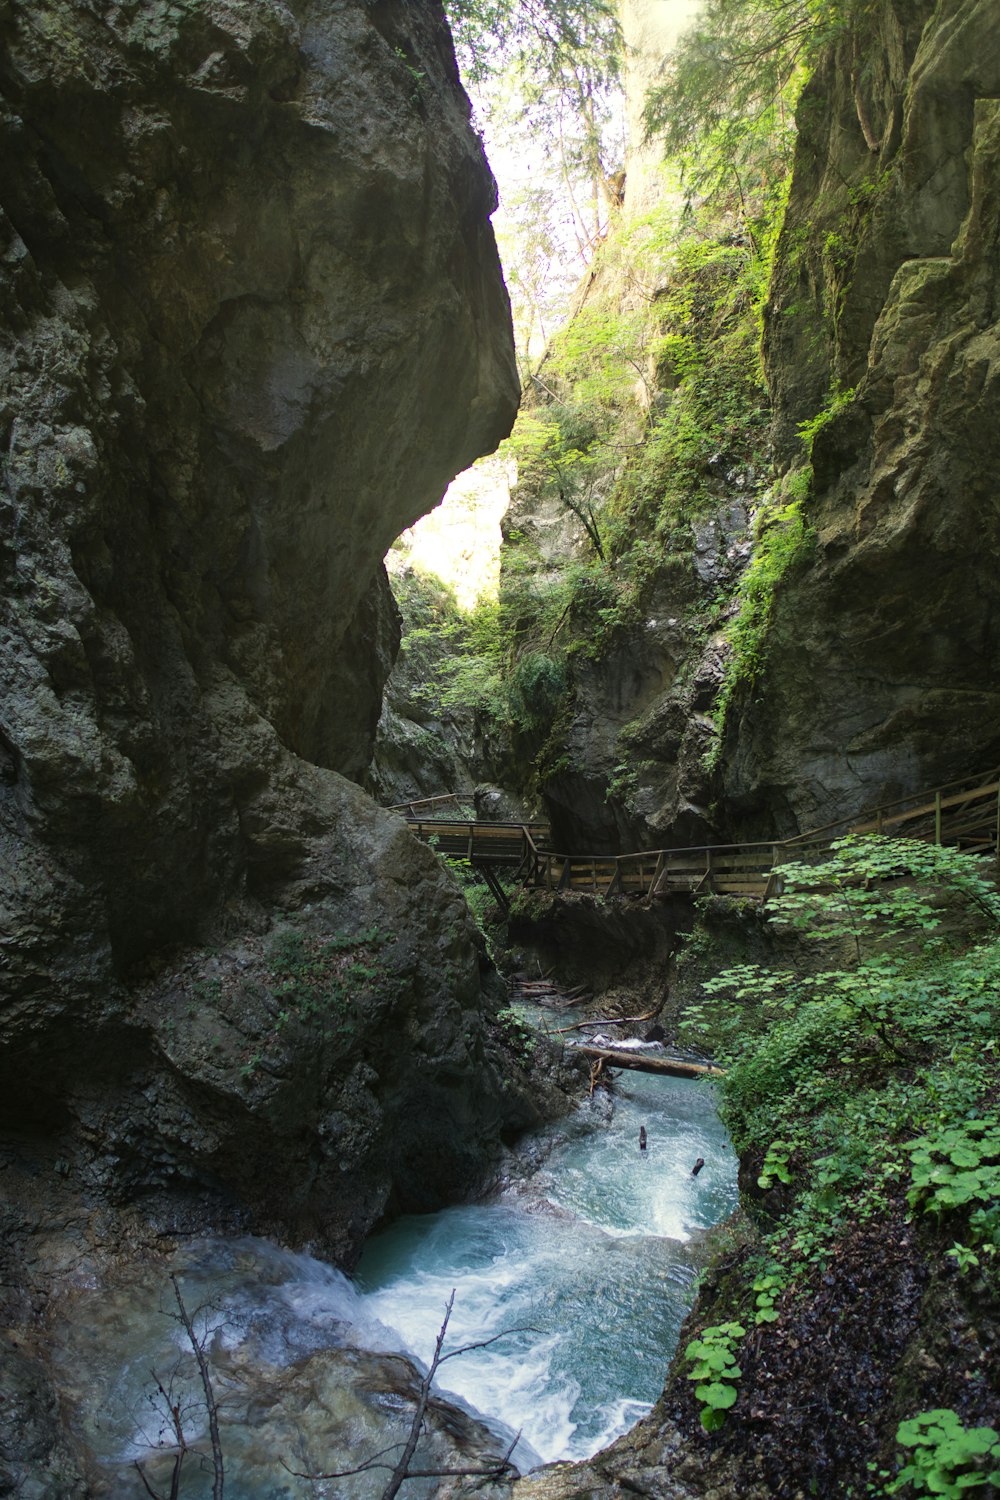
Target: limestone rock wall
(256, 321)
(883, 656)
(253, 322)
(880, 669)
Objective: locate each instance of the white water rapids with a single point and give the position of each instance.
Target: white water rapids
(587, 1256)
(588, 1252)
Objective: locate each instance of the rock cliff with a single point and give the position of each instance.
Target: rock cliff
(882, 655)
(254, 322)
(872, 670)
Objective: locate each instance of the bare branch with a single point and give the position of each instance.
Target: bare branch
(611, 1021)
(496, 1471)
(145, 1482)
(206, 1382)
(548, 389)
(402, 1471)
(399, 1473)
(485, 1343)
(364, 1468)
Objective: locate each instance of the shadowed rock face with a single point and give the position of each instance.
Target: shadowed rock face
(880, 664)
(882, 660)
(255, 322)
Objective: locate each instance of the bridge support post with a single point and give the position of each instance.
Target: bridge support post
(492, 881)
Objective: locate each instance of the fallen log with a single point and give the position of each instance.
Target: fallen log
(642, 1062)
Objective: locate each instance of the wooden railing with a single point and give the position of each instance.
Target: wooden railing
(969, 805)
(734, 869)
(481, 843)
(964, 813)
(421, 805)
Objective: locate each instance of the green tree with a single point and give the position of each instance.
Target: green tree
(553, 66)
(726, 104)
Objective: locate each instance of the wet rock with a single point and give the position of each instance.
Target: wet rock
(254, 322)
(296, 1366)
(237, 252)
(634, 772)
(565, 1482)
(498, 803)
(722, 543)
(619, 950)
(35, 1460)
(879, 676)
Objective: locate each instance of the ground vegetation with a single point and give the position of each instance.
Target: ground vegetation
(851, 1341)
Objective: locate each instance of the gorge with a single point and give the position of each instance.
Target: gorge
(254, 322)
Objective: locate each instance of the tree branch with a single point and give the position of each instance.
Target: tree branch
(402, 1470)
(206, 1384)
(611, 1021)
(399, 1473)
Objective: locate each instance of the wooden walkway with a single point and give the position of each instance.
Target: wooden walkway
(965, 814)
(487, 846)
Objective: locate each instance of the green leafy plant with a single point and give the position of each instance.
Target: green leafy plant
(767, 1293)
(964, 1256)
(838, 402)
(944, 1456)
(519, 1033)
(207, 992)
(784, 542)
(775, 1166)
(314, 982)
(418, 77)
(537, 687)
(957, 1168)
(858, 1081)
(714, 1367)
(727, 97)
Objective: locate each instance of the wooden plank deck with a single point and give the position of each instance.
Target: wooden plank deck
(965, 814)
(480, 842)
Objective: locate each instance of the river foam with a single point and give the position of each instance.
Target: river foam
(585, 1259)
(584, 1266)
